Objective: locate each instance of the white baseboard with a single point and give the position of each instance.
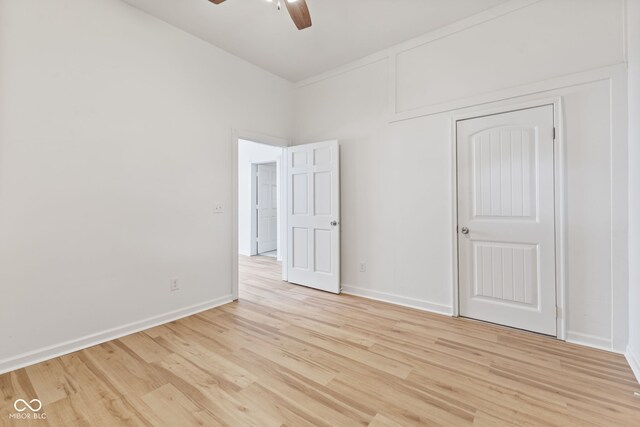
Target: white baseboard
(244, 253)
(591, 341)
(634, 361)
(398, 300)
(586, 340)
(50, 352)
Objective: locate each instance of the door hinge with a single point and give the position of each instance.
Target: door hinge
(558, 312)
(554, 133)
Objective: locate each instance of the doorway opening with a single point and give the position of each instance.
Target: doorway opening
(286, 221)
(265, 213)
(260, 198)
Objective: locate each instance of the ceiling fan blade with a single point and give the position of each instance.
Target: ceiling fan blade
(299, 13)
(216, 1)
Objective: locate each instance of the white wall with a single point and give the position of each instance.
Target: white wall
(248, 153)
(633, 39)
(397, 168)
(115, 144)
(532, 44)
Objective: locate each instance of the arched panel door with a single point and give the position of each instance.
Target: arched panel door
(506, 219)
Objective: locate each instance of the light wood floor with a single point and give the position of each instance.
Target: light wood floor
(287, 355)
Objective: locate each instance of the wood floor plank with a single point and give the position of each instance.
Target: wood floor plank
(286, 355)
(145, 347)
(275, 407)
(49, 381)
(174, 408)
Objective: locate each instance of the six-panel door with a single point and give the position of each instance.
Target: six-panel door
(267, 208)
(313, 215)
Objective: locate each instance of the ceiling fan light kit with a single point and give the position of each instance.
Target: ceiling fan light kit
(298, 10)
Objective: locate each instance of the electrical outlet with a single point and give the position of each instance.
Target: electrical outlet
(218, 208)
(363, 267)
(174, 285)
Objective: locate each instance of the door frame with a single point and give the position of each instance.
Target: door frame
(236, 135)
(253, 247)
(560, 208)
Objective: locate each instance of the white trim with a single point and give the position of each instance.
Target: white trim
(374, 58)
(447, 30)
(50, 352)
(259, 138)
(283, 250)
(253, 234)
(625, 32)
(619, 208)
(398, 300)
(392, 67)
(559, 200)
(634, 361)
(464, 24)
(604, 73)
(234, 214)
(593, 341)
(455, 301)
(560, 208)
(236, 135)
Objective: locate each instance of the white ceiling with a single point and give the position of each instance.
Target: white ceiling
(342, 31)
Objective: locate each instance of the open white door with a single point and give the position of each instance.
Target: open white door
(267, 206)
(313, 212)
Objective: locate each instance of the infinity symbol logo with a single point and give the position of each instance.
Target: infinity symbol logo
(21, 405)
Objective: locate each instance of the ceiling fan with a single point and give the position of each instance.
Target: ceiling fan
(297, 9)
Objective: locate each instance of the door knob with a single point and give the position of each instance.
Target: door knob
(334, 223)
(465, 230)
